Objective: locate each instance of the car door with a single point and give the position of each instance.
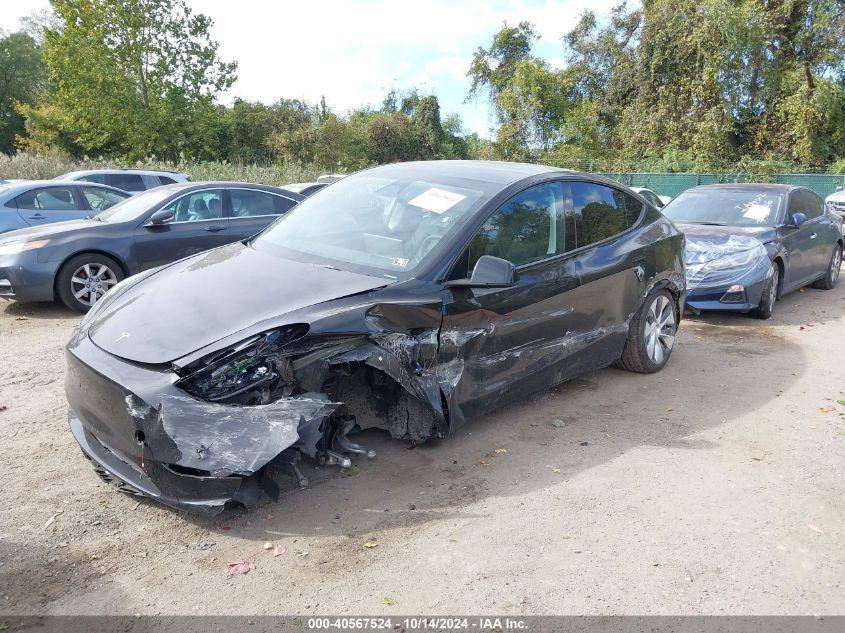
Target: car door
(612, 266)
(800, 242)
(45, 205)
(198, 224)
(497, 343)
(252, 210)
(827, 234)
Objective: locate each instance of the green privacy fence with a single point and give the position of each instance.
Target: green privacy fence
(673, 184)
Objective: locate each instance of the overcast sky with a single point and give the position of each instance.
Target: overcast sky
(353, 52)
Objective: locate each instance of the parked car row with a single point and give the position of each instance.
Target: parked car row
(222, 342)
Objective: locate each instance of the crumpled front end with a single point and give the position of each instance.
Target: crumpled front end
(728, 274)
(202, 432)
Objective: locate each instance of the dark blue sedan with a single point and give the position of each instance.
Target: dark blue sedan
(749, 244)
(79, 261)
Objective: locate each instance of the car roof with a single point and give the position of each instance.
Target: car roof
(750, 186)
(207, 184)
(498, 172)
(84, 172)
(26, 185)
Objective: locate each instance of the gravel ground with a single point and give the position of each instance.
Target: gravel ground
(713, 487)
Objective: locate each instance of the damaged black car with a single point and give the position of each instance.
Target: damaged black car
(408, 297)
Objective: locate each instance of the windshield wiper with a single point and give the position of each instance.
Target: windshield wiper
(711, 223)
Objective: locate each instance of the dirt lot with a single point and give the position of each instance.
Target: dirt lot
(713, 487)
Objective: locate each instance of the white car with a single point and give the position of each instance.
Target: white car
(653, 198)
(130, 180)
(836, 203)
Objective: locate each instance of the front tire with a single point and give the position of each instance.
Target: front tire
(770, 296)
(651, 334)
(85, 278)
(831, 277)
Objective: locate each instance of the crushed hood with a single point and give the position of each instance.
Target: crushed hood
(205, 298)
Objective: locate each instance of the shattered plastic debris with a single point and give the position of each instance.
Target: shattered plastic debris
(558, 424)
(500, 451)
(3, 407)
(240, 567)
(52, 519)
(738, 259)
(370, 544)
(279, 550)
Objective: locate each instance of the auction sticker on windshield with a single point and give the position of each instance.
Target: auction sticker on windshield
(437, 200)
(757, 211)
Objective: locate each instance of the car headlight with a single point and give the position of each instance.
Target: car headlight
(735, 260)
(13, 248)
(246, 373)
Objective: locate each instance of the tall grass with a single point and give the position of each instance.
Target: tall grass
(46, 166)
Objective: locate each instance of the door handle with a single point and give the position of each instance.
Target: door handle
(813, 236)
(214, 228)
(38, 216)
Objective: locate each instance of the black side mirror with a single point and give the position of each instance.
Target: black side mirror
(489, 272)
(797, 220)
(162, 216)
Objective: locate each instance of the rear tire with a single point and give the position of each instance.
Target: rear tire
(651, 334)
(85, 278)
(831, 277)
(770, 296)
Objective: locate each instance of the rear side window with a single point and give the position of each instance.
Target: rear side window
(633, 209)
(100, 179)
(49, 199)
(250, 202)
(530, 227)
(166, 180)
(127, 182)
(600, 212)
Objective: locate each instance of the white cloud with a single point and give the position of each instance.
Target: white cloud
(352, 52)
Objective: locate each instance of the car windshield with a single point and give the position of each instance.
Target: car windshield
(133, 207)
(734, 207)
(377, 223)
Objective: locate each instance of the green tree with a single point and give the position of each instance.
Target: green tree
(135, 77)
(21, 82)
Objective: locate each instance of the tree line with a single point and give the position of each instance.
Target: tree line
(668, 85)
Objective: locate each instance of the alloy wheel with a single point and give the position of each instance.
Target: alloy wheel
(91, 281)
(773, 287)
(835, 265)
(660, 328)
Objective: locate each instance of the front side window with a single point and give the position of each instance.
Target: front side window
(198, 206)
(101, 199)
(51, 199)
(529, 227)
(251, 202)
(725, 206)
(127, 182)
(806, 202)
(600, 212)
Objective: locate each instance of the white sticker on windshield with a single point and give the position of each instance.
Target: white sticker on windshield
(437, 200)
(401, 261)
(757, 211)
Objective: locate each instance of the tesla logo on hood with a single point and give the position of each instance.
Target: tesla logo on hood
(122, 336)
